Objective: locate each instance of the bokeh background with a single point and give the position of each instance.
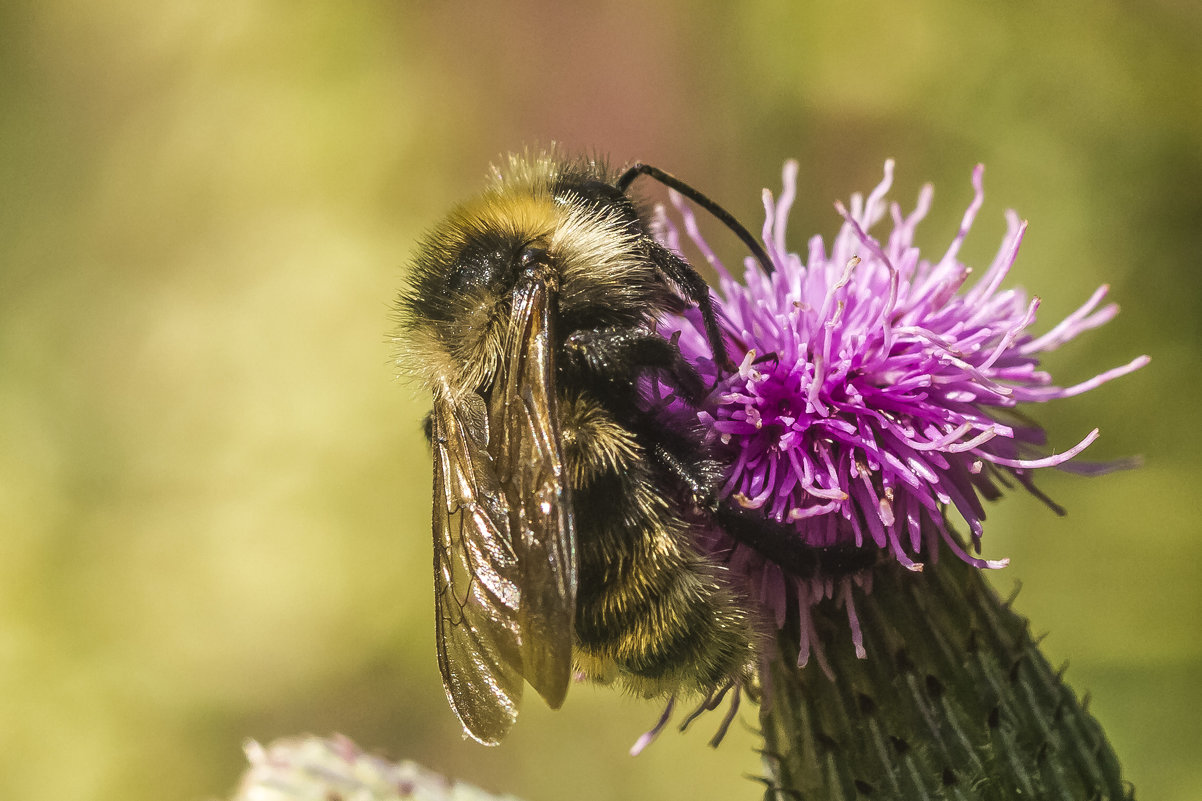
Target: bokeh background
(214, 494)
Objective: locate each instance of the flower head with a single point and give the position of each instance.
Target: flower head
(875, 393)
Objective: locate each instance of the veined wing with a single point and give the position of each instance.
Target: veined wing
(526, 448)
(476, 573)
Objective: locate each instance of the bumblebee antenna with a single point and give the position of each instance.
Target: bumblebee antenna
(724, 216)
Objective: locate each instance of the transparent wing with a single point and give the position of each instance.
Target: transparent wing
(476, 574)
(526, 447)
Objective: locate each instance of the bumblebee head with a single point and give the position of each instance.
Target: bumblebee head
(456, 307)
(568, 226)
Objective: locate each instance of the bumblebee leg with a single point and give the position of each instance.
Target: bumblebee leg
(620, 354)
(780, 543)
(700, 479)
(697, 290)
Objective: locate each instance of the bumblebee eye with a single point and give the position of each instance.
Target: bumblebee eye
(532, 255)
(479, 268)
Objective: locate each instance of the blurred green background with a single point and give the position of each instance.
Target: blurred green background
(214, 495)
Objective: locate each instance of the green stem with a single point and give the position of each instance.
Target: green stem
(955, 701)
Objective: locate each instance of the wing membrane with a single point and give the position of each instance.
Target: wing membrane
(476, 573)
(529, 460)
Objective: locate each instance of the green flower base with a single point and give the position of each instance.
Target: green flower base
(955, 701)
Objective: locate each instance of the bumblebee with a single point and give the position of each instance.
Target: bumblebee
(565, 511)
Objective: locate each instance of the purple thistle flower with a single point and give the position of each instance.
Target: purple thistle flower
(874, 396)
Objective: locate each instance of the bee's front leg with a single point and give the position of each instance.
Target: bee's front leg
(695, 288)
(620, 355)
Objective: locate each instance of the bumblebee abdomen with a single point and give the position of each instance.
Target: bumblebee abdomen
(684, 630)
(647, 603)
